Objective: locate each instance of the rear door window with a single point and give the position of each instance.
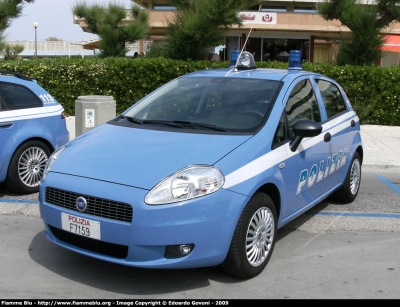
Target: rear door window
(18, 97)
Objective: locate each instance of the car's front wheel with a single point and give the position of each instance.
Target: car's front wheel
(254, 238)
(26, 167)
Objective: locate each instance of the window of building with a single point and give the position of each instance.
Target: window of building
(276, 49)
(305, 9)
(273, 9)
(164, 7)
(269, 49)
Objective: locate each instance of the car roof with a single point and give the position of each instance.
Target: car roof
(259, 73)
(15, 80)
(15, 77)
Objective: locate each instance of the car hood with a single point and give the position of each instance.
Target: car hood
(140, 157)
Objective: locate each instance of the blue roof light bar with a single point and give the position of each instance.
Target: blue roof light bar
(295, 59)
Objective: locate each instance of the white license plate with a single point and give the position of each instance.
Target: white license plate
(80, 226)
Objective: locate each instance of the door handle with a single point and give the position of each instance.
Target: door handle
(353, 123)
(327, 137)
(6, 124)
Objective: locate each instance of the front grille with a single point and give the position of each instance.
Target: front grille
(95, 206)
(104, 248)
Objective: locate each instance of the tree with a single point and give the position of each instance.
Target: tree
(54, 39)
(10, 9)
(199, 25)
(366, 22)
(10, 52)
(109, 24)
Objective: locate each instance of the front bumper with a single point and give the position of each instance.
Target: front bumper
(207, 222)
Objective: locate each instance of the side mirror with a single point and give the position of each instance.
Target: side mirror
(302, 129)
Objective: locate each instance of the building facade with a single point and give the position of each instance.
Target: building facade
(276, 28)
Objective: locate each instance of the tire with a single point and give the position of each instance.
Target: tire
(349, 190)
(26, 167)
(254, 238)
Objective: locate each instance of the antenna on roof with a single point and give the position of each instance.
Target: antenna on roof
(244, 45)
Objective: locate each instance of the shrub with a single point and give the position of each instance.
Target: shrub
(372, 91)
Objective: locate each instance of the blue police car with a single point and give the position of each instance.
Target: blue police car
(32, 126)
(205, 169)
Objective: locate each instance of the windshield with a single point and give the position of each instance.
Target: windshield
(227, 104)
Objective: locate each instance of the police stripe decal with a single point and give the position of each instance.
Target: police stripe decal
(255, 167)
(24, 114)
(282, 153)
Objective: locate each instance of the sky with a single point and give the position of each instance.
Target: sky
(54, 18)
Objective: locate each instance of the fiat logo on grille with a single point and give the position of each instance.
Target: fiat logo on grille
(81, 204)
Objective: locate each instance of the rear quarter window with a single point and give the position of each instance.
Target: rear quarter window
(332, 97)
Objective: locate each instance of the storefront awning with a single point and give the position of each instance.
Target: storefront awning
(88, 45)
(92, 45)
(392, 43)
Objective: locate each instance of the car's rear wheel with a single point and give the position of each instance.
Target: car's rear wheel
(254, 238)
(349, 190)
(27, 166)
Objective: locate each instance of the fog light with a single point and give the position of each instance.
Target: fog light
(185, 249)
(177, 251)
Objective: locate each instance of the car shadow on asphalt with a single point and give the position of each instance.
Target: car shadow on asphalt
(7, 193)
(120, 279)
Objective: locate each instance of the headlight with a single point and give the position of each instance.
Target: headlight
(190, 182)
(51, 161)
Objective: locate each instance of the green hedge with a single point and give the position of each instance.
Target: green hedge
(373, 91)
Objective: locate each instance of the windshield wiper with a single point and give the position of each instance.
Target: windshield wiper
(176, 123)
(148, 121)
(201, 125)
(131, 119)
(163, 122)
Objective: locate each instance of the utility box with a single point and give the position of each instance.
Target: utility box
(92, 111)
